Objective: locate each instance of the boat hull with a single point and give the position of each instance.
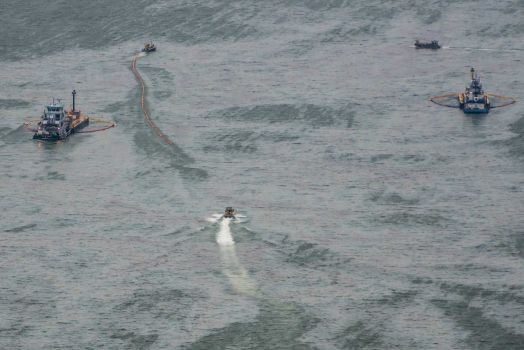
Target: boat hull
(77, 124)
(51, 136)
(476, 110)
(427, 46)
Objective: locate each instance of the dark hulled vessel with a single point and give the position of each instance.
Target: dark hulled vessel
(473, 99)
(229, 213)
(149, 47)
(433, 44)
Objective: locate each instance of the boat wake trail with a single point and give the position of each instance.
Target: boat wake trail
(479, 49)
(224, 236)
(231, 267)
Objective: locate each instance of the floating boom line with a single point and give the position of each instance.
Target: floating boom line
(451, 100)
(143, 106)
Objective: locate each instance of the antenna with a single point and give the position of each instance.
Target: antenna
(472, 73)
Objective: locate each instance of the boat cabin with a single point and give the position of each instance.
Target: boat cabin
(54, 114)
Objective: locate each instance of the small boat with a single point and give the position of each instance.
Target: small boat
(57, 124)
(473, 99)
(433, 44)
(229, 213)
(149, 47)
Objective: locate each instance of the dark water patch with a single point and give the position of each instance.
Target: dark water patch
(127, 114)
(422, 280)
(136, 341)
(377, 15)
(507, 245)
(316, 5)
(346, 157)
(518, 126)
(238, 142)
(413, 158)
(149, 143)
(469, 292)
(244, 141)
(115, 107)
(13, 103)
(341, 33)
(192, 174)
(27, 33)
(516, 143)
(406, 218)
(397, 298)
(13, 136)
(299, 47)
(277, 326)
(359, 336)
(484, 333)
(506, 30)
(164, 304)
(179, 231)
(157, 75)
(5, 130)
(385, 197)
(519, 244)
(21, 228)
(51, 175)
(316, 116)
(428, 15)
(310, 254)
(380, 157)
(153, 146)
(162, 95)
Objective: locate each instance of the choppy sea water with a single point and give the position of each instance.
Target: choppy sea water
(373, 219)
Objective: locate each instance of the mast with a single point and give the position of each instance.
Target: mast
(472, 73)
(73, 93)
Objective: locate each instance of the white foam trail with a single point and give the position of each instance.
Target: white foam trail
(224, 236)
(480, 49)
(234, 271)
(214, 218)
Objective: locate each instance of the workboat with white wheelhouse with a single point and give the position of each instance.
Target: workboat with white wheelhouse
(57, 123)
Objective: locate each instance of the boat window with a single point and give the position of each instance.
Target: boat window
(57, 116)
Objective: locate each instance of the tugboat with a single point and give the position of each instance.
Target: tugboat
(474, 100)
(229, 213)
(434, 45)
(149, 47)
(57, 123)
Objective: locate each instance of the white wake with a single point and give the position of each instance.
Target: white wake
(231, 267)
(224, 236)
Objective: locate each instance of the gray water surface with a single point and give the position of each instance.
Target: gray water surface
(373, 218)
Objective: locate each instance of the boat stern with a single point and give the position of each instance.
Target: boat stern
(476, 108)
